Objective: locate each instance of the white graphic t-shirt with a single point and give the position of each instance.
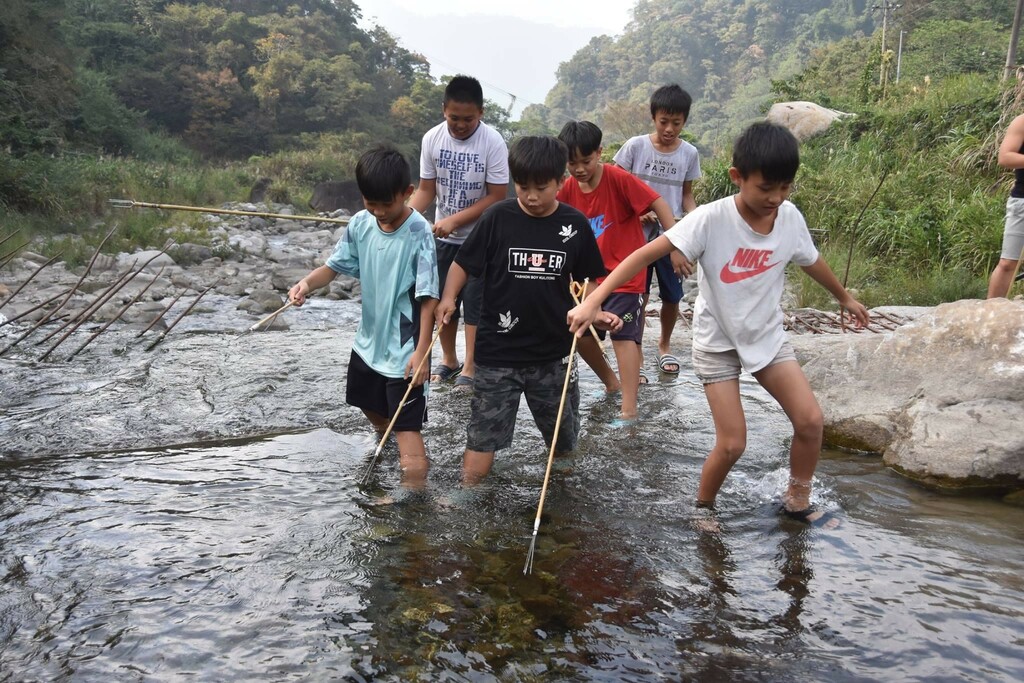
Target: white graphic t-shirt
(739, 303)
(462, 170)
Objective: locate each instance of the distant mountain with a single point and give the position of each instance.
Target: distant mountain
(726, 53)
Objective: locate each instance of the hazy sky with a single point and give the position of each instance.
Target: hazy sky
(513, 47)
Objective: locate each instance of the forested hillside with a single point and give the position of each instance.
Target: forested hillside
(229, 78)
(727, 53)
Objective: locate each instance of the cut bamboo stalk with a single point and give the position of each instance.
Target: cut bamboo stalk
(130, 204)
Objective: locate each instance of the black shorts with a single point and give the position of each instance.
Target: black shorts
(472, 295)
(372, 391)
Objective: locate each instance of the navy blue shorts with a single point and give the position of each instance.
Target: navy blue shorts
(670, 287)
(372, 391)
(629, 307)
(471, 297)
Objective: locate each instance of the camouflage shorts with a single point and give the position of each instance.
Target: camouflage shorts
(496, 393)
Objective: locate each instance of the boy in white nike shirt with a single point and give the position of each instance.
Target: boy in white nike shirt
(742, 244)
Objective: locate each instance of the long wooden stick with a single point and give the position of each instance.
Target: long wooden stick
(130, 204)
(4, 239)
(401, 404)
(528, 567)
(856, 223)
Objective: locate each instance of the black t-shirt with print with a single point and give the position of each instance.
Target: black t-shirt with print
(527, 264)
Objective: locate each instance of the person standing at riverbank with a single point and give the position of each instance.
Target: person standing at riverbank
(743, 243)
(527, 252)
(1011, 156)
(389, 248)
(464, 166)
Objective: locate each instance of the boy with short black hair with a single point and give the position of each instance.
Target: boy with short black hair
(464, 165)
(613, 201)
(526, 252)
(389, 248)
(669, 165)
(742, 244)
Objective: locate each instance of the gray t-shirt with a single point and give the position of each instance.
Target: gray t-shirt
(664, 172)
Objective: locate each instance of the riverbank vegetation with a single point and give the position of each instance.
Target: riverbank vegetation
(192, 102)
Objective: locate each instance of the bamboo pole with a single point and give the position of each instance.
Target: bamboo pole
(131, 203)
(401, 404)
(528, 567)
(87, 312)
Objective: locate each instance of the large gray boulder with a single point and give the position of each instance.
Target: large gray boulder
(804, 119)
(942, 398)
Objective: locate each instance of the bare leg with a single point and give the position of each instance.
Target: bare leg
(1002, 278)
(669, 314)
(730, 437)
(379, 422)
(449, 357)
(592, 354)
(469, 368)
(412, 459)
(787, 384)
(475, 466)
(627, 353)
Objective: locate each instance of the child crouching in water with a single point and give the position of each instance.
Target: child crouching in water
(742, 244)
(389, 247)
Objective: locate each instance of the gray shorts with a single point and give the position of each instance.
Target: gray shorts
(472, 295)
(1013, 231)
(722, 366)
(496, 393)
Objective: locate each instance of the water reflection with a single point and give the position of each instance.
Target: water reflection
(265, 560)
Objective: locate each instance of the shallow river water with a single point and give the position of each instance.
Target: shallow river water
(265, 559)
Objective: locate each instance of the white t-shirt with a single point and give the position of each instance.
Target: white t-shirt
(739, 302)
(664, 172)
(462, 170)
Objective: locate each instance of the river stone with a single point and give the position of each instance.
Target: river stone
(942, 397)
(804, 119)
(284, 279)
(261, 301)
(187, 253)
(140, 257)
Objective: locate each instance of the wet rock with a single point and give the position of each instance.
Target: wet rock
(332, 195)
(942, 397)
(187, 253)
(248, 243)
(261, 301)
(284, 279)
(284, 227)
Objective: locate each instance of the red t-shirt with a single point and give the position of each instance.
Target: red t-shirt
(614, 209)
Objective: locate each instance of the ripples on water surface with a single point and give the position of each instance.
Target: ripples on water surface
(264, 560)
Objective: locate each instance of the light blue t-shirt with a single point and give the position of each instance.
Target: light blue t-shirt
(396, 269)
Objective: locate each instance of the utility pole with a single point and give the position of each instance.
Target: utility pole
(887, 7)
(1011, 53)
(899, 55)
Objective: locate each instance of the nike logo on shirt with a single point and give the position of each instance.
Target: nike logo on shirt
(746, 264)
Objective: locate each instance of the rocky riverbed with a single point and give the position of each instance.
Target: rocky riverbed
(940, 397)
